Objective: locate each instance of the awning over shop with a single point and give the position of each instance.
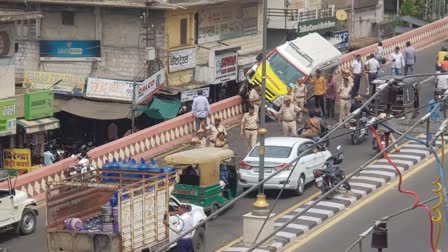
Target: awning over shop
(39, 125)
(162, 109)
(98, 110)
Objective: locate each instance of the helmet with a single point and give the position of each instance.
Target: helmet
(83, 148)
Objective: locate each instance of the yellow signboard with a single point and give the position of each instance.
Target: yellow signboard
(17, 159)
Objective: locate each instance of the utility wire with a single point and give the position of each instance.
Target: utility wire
(386, 218)
(322, 197)
(324, 138)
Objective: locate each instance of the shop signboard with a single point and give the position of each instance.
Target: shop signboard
(182, 59)
(108, 89)
(69, 50)
(224, 64)
(70, 84)
(320, 26)
(39, 104)
(242, 70)
(149, 87)
(227, 22)
(341, 36)
(17, 159)
(189, 95)
(8, 117)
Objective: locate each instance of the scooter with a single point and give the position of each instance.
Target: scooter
(358, 129)
(330, 174)
(323, 132)
(382, 135)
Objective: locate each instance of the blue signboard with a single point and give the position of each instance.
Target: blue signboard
(343, 37)
(70, 48)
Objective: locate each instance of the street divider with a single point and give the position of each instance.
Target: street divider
(167, 135)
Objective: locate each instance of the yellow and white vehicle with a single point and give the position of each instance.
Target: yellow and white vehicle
(291, 61)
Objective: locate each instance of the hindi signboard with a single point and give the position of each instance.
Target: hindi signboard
(182, 59)
(17, 159)
(225, 64)
(8, 117)
(71, 85)
(108, 89)
(189, 95)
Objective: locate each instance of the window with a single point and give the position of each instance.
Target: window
(196, 28)
(272, 152)
(183, 31)
(307, 148)
(283, 69)
(68, 18)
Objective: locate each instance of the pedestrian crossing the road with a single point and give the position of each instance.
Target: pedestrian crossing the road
(374, 176)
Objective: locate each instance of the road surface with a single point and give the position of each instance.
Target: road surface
(407, 232)
(228, 226)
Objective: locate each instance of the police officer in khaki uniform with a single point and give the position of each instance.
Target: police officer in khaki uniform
(344, 91)
(249, 128)
(289, 95)
(287, 117)
(254, 98)
(300, 98)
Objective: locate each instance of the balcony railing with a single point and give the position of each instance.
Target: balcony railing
(301, 15)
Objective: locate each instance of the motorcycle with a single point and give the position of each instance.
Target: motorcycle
(358, 129)
(381, 134)
(80, 170)
(330, 174)
(324, 130)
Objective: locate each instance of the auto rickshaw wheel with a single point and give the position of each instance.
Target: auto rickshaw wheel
(213, 208)
(199, 240)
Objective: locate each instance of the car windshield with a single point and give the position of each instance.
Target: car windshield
(285, 71)
(272, 151)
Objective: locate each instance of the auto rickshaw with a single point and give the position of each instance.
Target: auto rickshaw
(209, 177)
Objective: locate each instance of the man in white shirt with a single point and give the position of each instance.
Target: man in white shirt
(372, 66)
(200, 109)
(379, 52)
(397, 61)
(442, 81)
(357, 72)
(184, 223)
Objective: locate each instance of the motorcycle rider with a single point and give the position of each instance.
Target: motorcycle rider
(312, 126)
(324, 128)
(357, 104)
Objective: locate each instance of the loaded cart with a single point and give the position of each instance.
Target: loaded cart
(123, 214)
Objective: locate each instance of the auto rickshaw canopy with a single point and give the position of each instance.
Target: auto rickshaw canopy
(206, 159)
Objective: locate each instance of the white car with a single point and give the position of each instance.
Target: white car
(279, 151)
(17, 211)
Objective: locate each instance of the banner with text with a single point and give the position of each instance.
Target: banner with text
(189, 95)
(8, 117)
(182, 59)
(225, 64)
(70, 84)
(227, 22)
(149, 87)
(17, 159)
(108, 89)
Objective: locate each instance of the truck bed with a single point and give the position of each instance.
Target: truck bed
(142, 204)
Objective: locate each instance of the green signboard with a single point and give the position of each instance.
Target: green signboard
(39, 104)
(320, 26)
(8, 117)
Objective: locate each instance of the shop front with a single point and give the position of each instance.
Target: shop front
(7, 126)
(37, 122)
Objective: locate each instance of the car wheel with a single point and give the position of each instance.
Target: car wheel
(199, 240)
(27, 223)
(300, 185)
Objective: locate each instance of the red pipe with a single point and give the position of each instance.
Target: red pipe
(400, 181)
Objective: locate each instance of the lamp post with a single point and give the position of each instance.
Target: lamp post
(260, 204)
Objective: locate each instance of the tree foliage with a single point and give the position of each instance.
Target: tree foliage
(414, 8)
